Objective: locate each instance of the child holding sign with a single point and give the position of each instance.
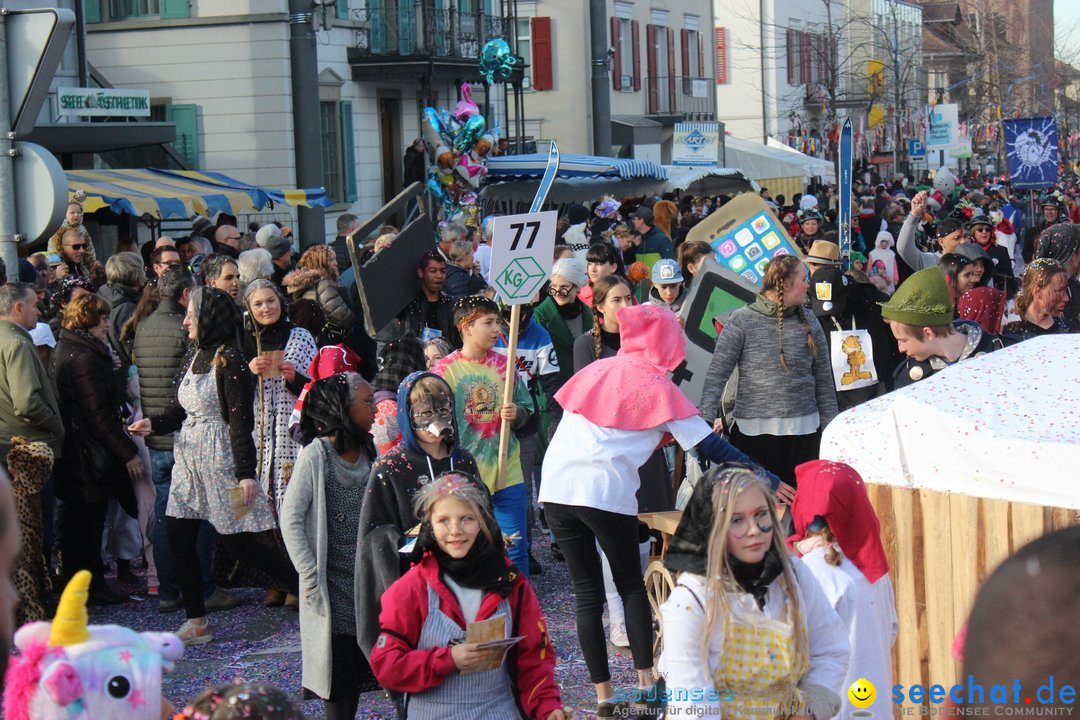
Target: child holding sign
(462, 633)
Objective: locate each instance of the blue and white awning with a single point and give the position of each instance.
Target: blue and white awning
(573, 166)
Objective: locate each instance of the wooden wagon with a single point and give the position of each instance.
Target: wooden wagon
(964, 468)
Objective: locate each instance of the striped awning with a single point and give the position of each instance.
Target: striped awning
(180, 193)
(573, 166)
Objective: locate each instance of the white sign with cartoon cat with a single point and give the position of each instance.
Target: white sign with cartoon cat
(852, 359)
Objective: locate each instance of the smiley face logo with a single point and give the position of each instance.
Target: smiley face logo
(862, 693)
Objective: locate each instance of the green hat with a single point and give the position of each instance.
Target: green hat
(922, 300)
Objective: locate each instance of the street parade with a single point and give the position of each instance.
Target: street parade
(445, 363)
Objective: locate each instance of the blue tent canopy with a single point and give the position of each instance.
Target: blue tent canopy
(573, 166)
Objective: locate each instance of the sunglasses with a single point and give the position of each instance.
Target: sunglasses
(79, 246)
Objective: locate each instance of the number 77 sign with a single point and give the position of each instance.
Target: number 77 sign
(521, 255)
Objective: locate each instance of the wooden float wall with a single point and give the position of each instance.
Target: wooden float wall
(941, 547)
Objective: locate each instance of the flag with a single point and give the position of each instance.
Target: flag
(1032, 149)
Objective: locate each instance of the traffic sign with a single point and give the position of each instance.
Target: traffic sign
(35, 44)
(41, 192)
(916, 148)
(521, 257)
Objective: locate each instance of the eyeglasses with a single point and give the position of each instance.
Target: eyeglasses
(561, 291)
(235, 237)
(740, 526)
(79, 246)
(465, 524)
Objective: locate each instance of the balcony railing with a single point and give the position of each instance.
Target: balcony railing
(694, 98)
(421, 30)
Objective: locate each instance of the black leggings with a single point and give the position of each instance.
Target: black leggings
(183, 533)
(81, 525)
(577, 530)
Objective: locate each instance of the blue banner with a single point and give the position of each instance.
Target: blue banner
(1031, 145)
(844, 195)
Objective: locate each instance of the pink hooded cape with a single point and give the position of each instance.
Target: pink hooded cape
(632, 391)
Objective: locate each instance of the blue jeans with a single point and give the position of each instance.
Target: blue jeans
(161, 465)
(511, 508)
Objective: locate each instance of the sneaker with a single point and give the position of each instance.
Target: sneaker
(192, 634)
(220, 600)
(535, 568)
(168, 606)
(557, 553)
(612, 709)
(617, 635)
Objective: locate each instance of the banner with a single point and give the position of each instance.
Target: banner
(943, 128)
(696, 144)
(1032, 149)
(844, 198)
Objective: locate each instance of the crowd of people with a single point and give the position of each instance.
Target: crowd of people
(211, 402)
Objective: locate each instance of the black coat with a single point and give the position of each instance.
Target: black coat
(91, 395)
(123, 300)
(158, 351)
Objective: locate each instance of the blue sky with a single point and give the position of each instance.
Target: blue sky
(1067, 23)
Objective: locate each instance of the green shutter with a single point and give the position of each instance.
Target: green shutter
(175, 8)
(186, 119)
(376, 27)
(92, 10)
(342, 7)
(348, 152)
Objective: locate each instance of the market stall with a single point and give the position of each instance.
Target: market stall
(513, 179)
(964, 468)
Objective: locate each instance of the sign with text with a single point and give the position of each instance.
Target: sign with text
(101, 102)
(696, 143)
(943, 128)
(521, 256)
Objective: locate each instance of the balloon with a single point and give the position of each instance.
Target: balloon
(470, 171)
(483, 145)
(436, 189)
(496, 61)
(444, 157)
(432, 128)
(466, 108)
(470, 133)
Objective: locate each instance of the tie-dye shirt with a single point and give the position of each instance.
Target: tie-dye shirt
(478, 394)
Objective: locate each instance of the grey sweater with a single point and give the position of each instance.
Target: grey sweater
(750, 341)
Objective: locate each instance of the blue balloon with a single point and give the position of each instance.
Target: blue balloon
(497, 61)
(470, 133)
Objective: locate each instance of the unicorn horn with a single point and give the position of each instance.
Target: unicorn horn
(69, 625)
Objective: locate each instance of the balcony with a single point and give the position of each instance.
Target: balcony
(675, 98)
(417, 40)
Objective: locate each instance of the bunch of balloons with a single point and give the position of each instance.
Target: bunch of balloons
(459, 146)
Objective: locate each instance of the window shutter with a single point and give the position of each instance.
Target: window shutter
(650, 49)
(341, 8)
(92, 10)
(791, 40)
(671, 80)
(701, 53)
(616, 62)
(348, 152)
(685, 37)
(805, 58)
(721, 56)
(186, 119)
(635, 34)
(175, 9)
(542, 78)
(822, 56)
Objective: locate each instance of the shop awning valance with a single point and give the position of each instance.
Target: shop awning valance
(181, 193)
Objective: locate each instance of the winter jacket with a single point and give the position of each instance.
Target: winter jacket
(562, 335)
(655, 245)
(316, 303)
(28, 404)
(401, 667)
(158, 351)
(91, 395)
(122, 299)
(460, 281)
(979, 342)
(413, 319)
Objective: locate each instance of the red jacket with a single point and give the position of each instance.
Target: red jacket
(400, 667)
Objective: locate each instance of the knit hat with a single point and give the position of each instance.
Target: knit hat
(265, 232)
(808, 202)
(923, 300)
(572, 270)
(666, 272)
(277, 246)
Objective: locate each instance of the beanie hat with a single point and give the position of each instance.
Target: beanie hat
(923, 300)
(572, 271)
(265, 232)
(277, 246)
(577, 214)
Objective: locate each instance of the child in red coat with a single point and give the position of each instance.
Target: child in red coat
(464, 577)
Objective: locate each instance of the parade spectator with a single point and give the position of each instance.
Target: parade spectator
(346, 224)
(430, 446)
(786, 394)
(463, 577)
(610, 295)
(616, 411)
(126, 278)
(319, 520)
(985, 306)
(882, 262)
(318, 303)
(920, 315)
(99, 461)
(431, 312)
(220, 271)
(213, 478)
(28, 402)
(162, 257)
(563, 314)
(668, 288)
(184, 249)
(654, 243)
(477, 375)
(1041, 301)
(397, 360)
(240, 700)
(415, 162)
(74, 254)
(823, 253)
(435, 350)
(448, 235)
(1061, 242)
(1051, 215)
(960, 274)
(601, 260)
(460, 276)
(950, 234)
(691, 256)
(666, 217)
(254, 265)
(809, 230)
(981, 227)
(838, 538)
(984, 266)
(281, 256)
(227, 241)
(739, 594)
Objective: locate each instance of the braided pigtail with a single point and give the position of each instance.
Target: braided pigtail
(809, 333)
(780, 320)
(596, 333)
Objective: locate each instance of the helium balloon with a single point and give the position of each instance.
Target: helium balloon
(496, 61)
(470, 133)
(432, 129)
(465, 108)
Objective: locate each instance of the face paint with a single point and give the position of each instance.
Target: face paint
(434, 416)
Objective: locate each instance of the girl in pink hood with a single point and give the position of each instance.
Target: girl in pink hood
(616, 411)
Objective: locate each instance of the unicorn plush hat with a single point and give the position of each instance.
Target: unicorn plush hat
(68, 670)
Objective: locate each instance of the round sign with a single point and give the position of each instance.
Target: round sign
(40, 192)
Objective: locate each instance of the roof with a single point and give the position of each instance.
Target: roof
(944, 12)
(181, 193)
(572, 166)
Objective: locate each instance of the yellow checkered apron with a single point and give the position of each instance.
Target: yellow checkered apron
(759, 671)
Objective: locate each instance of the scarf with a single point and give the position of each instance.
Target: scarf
(484, 567)
(755, 578)
(101, 345)
(570, 310)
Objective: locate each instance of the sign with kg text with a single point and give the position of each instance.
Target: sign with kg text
(99, 102)
(521, 256)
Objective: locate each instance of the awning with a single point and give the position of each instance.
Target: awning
(762, 161)
(699, 180)
(180, 193)
(573, 166)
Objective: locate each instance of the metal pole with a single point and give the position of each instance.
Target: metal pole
(307, 135)
(764, 76)
(9, 245)
(601, 94)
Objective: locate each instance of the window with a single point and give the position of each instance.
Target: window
(107, 10)
(809, 57)
(330, 125)
(524, 48)
(120, 9)
(662, 72)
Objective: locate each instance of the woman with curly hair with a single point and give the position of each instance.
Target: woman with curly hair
(317, 302)
(1041, 301)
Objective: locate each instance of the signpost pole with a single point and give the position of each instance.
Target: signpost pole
(508, 387)
(9, 245)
